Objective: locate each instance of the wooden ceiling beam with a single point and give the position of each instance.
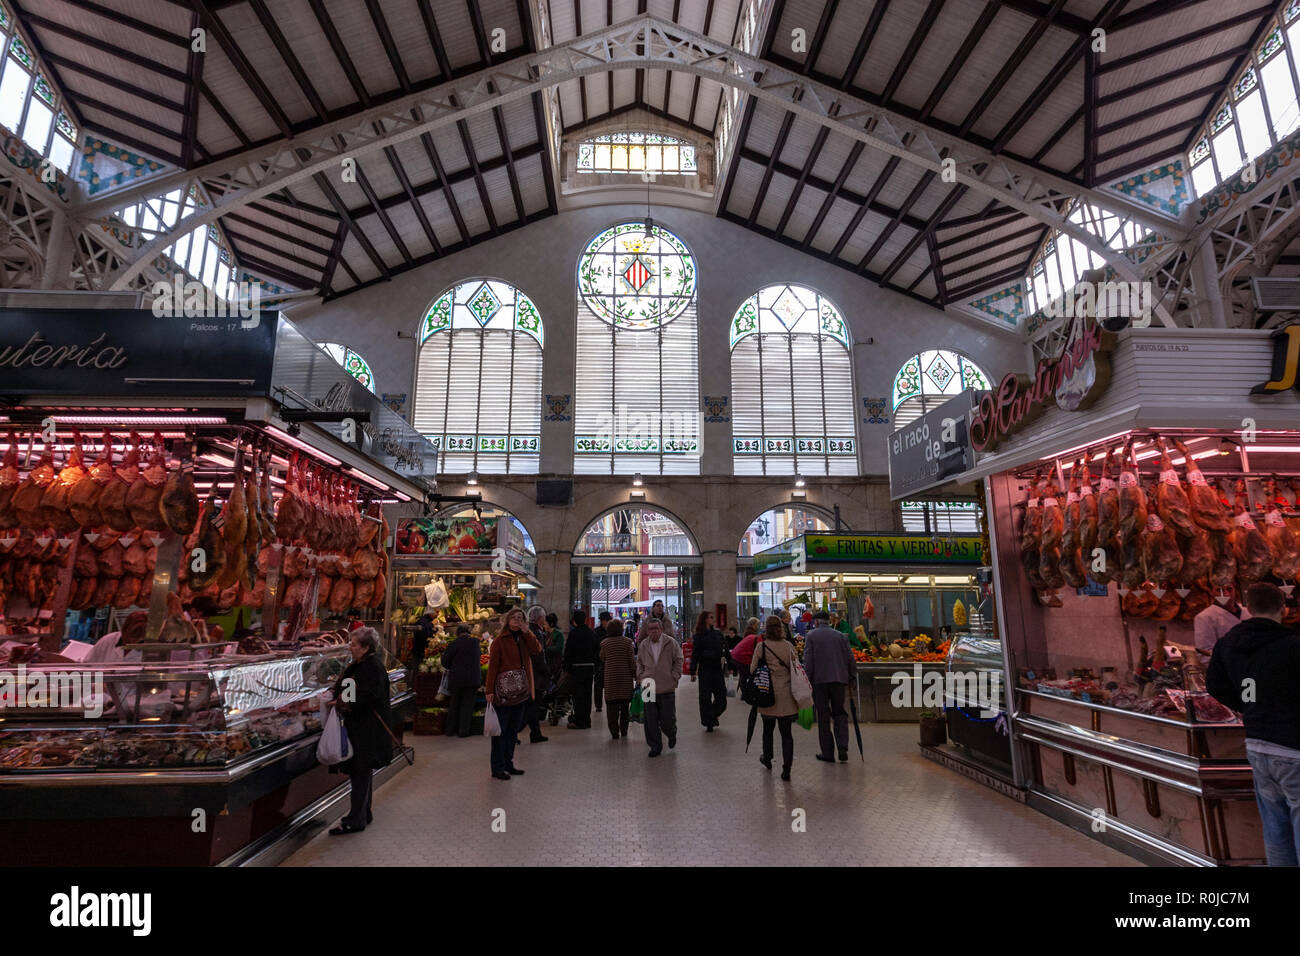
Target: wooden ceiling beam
(251, 77)
(346, 217)
(384, 219)
(761, 193)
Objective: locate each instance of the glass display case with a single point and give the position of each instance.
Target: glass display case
(153, 716)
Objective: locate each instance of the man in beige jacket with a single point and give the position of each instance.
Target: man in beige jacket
(659, 658)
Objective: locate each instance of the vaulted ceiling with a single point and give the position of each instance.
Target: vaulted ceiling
(1016, 77)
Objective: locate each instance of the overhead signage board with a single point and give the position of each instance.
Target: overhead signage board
(871, 549)
(132, 352)
(934, 448)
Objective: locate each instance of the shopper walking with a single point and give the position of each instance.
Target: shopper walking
(461, 662)
(554, 644)
(1255, 669)
(659, 614)
(420, 643)
(598, 682)
(778, 653)
(542, 676)
(708, 654)
(361, 694)
(828, 661)
(743, 653)
(509, 676)
(659, 658)
(580, 652)
(618, 660)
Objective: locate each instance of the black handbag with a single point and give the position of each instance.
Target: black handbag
(757, 688)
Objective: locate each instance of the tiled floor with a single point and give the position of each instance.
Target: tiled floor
(588, 800)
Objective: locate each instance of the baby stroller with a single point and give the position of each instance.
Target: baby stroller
(558, 700)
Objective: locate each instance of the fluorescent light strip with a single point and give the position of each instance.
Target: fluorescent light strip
(367, 479)
(303, 446)
(124, 421)
(1272, 449)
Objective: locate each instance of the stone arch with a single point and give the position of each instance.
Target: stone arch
(686, 529)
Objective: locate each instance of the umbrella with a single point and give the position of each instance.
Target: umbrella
(753, 719)
(853, 706)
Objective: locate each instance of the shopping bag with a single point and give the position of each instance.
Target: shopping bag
(444, 688)
(733, 682)
(800, 686)
(333, 747)
(637, 707)
(491, 723)
(805, 718)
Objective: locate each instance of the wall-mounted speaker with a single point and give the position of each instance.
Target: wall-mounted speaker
(558, 493)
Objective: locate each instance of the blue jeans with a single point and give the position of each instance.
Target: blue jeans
(503, 747)
(1277, 791)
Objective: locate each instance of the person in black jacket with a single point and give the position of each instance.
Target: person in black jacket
(598, 689)
(361, 693)
(580, 651)
(542, 677)
(464, 675)
(1255, 669)
(708, 654)
(420, 642)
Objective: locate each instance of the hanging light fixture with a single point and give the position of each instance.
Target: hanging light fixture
(798, 481)
(472, 479)
(637, 480)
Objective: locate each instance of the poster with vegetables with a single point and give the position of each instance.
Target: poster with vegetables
(461, 536)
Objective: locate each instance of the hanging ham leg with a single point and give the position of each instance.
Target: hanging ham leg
(1282, 543)
(112, 503)
(1107, 503)
(9, 480)
(267, 505)
(1132, 499)
(180, 501)
(1171, 499)
(1198, 559)
(209, 542)
(234, 528)
(54, 503)
(1088, 513)
(1254, 558)
(1161, 558)
(28, 496)
(83, 503)
(1206, 508)
(144, 498)
(1049, 564)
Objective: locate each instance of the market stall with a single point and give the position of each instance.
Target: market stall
(1115, 525)
(179, 494)
(897, 593)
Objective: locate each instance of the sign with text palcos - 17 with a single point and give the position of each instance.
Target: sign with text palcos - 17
(131, 352)
(933, 448)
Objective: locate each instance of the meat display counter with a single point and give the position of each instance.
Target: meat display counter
(195, 763)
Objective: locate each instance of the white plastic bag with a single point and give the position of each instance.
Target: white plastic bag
(334, 747)
(491, 725)
(733, 684)
(800, 687)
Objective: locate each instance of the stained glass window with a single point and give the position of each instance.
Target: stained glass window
(1201, 151)
(1272, 43)
(792, 385)
(42, 89)
(636, 152)
(20, 52)
(1221, 119)
(929, 379)
(352, 363)
(634, 280)
(478, 388)
(637, 400)
(1244, 85)
(1292, 9)
(4, 18)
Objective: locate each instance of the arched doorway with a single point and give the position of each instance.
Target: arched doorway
(776, 524)
(632, 556)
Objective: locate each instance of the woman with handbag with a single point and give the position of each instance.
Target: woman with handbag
(361, 693)
(510, 687)
(778, 654)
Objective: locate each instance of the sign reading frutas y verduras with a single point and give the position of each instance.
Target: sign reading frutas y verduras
(132, 352)
(933, 448)
(898, 549)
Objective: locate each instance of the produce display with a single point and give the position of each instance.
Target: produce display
(1169, 541)
(919, 648)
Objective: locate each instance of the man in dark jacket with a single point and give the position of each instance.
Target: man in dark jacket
(464, 675)
(580, 651)
(535, 709)
(1255, 669)
(362, 695)
(420, 642)
(598, 690)
(828, 661)
(708, 652)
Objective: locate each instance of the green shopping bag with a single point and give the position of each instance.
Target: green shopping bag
(805, 718)
(637, 707)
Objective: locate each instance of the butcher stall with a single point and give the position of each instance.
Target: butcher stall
(1122, 505)
(191, 515)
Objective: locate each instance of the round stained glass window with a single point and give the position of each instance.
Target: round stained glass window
(636, 281)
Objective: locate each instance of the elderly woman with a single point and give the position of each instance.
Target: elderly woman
(361, 694)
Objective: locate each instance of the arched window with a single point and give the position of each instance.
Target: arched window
(636, 407)
(478, 378)
(636, 152)
(353, 363)
(929, 379)
(791, 385)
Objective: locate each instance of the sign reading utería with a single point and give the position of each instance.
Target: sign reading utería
(1073, 381)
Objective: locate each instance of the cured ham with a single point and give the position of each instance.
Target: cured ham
(1049, 564)
(1140, 602)
(54, 503)
(144, 497)
(1171, 499)
(30, 493)
(1206, 509)
(9, 480)
(83, 503)
(234, 528)
(1282, 545)
(341, 596)
(1107, 503)
(1031, 531)
(1132, 499)
(289, 513)
(180, 501)
(1161, 557)
(1254, 558)
(1168, 605)
(1198, 559)
(1088, 513)
(209, 543)
(112, 503)
(267, 505)
(1196, 601)
(176, 627)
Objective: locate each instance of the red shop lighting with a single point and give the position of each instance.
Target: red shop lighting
(124, 421)
(303, 446)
